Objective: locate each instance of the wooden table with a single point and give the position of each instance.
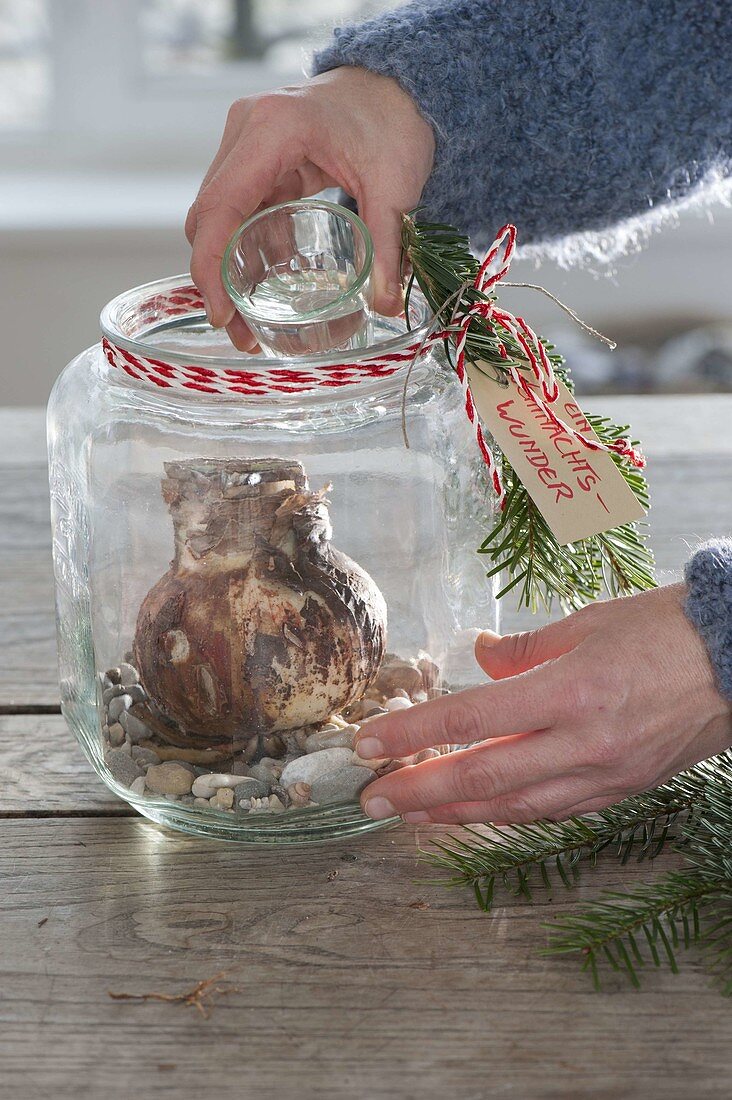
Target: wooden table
(343, 988)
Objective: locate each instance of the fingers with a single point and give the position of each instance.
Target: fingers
(555, 800)
(383, 216)
(241, 335)
(514, 653)
(264, 154)
(485, 773)
(520, 704)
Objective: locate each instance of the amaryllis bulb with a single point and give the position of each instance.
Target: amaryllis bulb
(259, 624)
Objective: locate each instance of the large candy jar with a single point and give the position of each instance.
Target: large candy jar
(251, 562)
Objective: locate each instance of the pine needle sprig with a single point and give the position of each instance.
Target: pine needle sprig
(693, 905)
(624, 929)
(521, 544)
(521, 857)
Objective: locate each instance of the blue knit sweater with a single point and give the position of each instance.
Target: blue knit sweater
(565, 116)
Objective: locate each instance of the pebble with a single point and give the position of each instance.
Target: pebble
(306, 769)
(332, 739)
(117, 705)
(398, 702)
(201, 803)
(144, 756)
(128, 675)
(223, 799)
(116, 735)
(113, 675)
(266, 770)
(275, 805)
(122, 767)
(137, 693)
(273, 745)
(135, 729)
(395, 673)
(169, 778)
(373, 710)
(343, 785)
(420, 697)
(138, 787)
(205, 786)
(111, 693)
(251, 788)
(239, 767)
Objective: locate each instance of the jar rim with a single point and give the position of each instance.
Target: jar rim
(335, 208)
(129, 322)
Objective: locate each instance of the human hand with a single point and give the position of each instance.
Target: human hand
(348, 128)
(608, 702)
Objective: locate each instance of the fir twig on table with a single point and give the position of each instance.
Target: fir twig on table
(521, 857)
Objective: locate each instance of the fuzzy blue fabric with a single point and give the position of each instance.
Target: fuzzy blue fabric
(708, 577)
(558, 115)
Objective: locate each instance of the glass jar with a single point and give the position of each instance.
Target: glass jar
(322, 570)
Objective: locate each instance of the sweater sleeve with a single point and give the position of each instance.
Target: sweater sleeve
(709, 605)
(559, 115)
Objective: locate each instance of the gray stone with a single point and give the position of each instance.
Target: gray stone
(128, 675)
(117, 705)
(265, 770)
(331, 739)
(116, 735)
(133, 727)
(251, 788)
(111, 693)
(144, 756)
(137, 693)
(306, 769)
(122, 767)
(343, 785)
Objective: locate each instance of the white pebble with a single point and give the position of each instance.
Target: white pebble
(138, 787)
(128, 675)
(205, 786)
(398, 703)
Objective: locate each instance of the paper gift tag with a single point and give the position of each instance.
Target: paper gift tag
(579, 492)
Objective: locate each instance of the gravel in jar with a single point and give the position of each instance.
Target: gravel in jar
(313, 766)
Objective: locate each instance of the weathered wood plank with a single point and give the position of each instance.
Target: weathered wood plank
(45, 771)
(343, 989)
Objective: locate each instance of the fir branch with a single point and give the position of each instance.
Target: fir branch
(683, 907)
(522, 856)
(624, 929)
(521, 545)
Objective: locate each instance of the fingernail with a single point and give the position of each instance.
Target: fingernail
(416, 817)
(379, 808)
(487, 639)
(369, 748)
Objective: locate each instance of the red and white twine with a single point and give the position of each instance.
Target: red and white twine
(542, 391)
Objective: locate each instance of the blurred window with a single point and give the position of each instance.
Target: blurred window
(25, 73)
(90, 76)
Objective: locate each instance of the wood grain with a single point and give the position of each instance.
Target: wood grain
(342, 988)
(46, 773)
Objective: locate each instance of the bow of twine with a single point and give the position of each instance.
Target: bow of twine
(544, 390)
